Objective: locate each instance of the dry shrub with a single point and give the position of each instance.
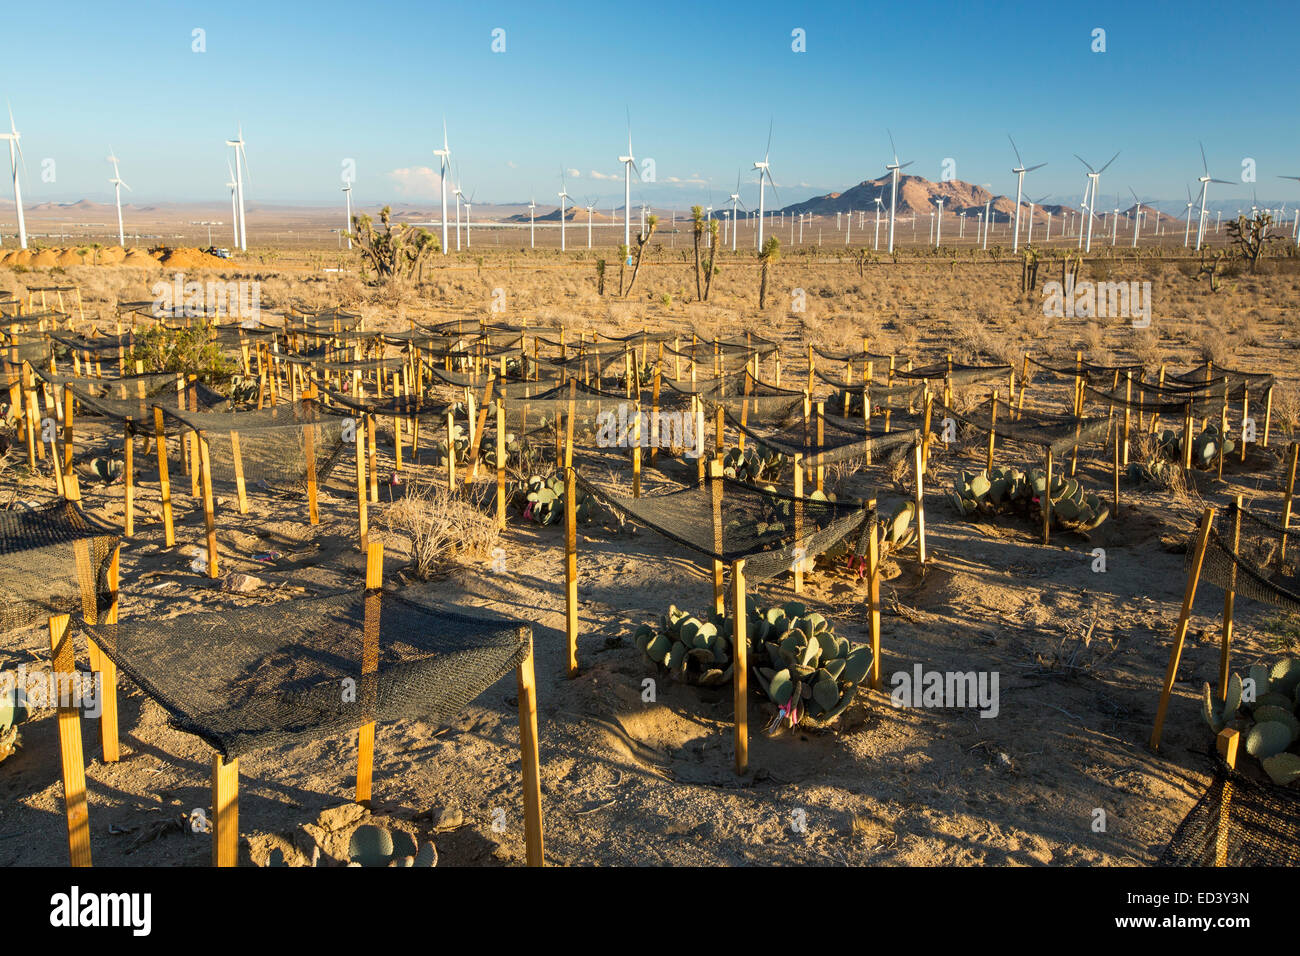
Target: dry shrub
(437, 527)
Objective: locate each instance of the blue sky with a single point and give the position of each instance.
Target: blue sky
(317, 83)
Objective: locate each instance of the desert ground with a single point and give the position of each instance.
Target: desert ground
(1080, 655)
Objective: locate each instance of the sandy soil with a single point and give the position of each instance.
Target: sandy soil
(629, 782)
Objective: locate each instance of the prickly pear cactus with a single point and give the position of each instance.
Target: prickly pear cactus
(543, 500)
(809, 674)
(692, 650)
(1270, 695)
(372, 845)
(753, 464)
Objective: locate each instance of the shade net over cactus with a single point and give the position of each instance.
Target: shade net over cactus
(1238, 822)
(388, 406)
(855, 356)
(883, 397)
(1261, 543)
(765, 401)
(1106, 374)
(133, 399)
(247, 678)
(1227, 568)
(1150, 400)
(959, 374)
(99, 346)
(1258, 381)
(274, 443)
(728, 520)
(841, 439)
(1060, 433)
(53, 560)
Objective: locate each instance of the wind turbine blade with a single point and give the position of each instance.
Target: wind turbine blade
(1223, 181)
(892, 147)
(1108, 162)
(1296, 178)
(768, 151)
(125, 186)
(1032, 168)
(247, 175)
(1019, 161)
(1085, 163)
(906, 164)
(1204, 166)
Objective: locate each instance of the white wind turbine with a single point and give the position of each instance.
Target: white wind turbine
(1094, 175)
(1206, 179)
(532, 234)
(234, 209)
(938, 225)
(1029, 238)
(1187, 229)
(469, 205)
(1137, 217)
(444, 156)
(1020, 171)
(456, 191)
(735, 201)
(16, 154)
(564, 195)
(241, 166)
(1296, 228)
(629, 167)
(347, 199)
(591, 205)
(117, 190)
(879, 205)
(894, 168)
(764, 170)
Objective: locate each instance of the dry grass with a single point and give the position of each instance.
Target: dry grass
(437, 528)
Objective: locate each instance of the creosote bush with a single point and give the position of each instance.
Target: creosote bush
(436, 528)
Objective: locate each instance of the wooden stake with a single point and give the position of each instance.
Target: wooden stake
(798, 519)
(359, 443)
(740, 671)
(1229, 599)
(501, 464)
(237, 457)
(209, 514)
(1226, 743)
(161, 443)
(225, 811)
(873, 593)
(993, 425)
(571, 571)
(451, 452)
(1180, 633)
(72, 758)
(1287, 494)
(309, 455)
(369, 666)
(526, 687)
(918, 470)
(371, 459)
(1045, 503)
(719, 569)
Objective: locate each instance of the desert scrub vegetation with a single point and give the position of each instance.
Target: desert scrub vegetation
(191, 351)
(435, 528)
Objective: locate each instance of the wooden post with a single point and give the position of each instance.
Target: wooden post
(1116, 451)
(451, 452)
(873, 593)
(1287, 494)
(309, 454)
(740, 670)
(128, 478)
(1226, 743)
(237, 457)
(918, 468)
(1045, 504)
(571, 571)
(526, 687)
(108, 737)
(1229, 599)
(69, 435)
(161, 443)
(1128, 413)
(501, 464)
(72, 758)
(993, 425)
(209, 514)
(1180, 633)
(1187, 438)
(225, 811)
(371, 456)
(821, 440)
(798, 519)
(636, 450)
(719, 569)
(359, 443)
(479, 426)
(1268, 413)
(369, 666)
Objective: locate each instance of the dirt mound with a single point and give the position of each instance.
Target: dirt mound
(19, 257)
(109, 256)
(137, 258)
(191, 258)
(69, 257)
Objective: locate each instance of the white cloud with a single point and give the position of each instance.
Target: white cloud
(573, 173)
(595, 174)
(418, 181)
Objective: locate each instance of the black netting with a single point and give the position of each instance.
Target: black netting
(389, 406)
(134, 398)
(247, 678)
(1060, 433)
(1238, 822)
(53, 560)
(1206, 372)
(1091, 372)
(1150, 400)
(1227, 569)
(858, 356)
(274, 443)
(959, 374)
(769, 529)
(841, 439)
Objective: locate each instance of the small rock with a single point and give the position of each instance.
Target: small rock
(448, 819)
(337, 818)
(241, 583)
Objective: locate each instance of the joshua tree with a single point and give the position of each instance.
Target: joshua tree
(600, 276)
(770, 252)
(697, 233)
(622, 266)
(398, 251)
(641, 240)
(1250, 236)
(712, 265)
